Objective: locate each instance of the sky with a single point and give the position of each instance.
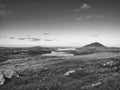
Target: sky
(73, 23)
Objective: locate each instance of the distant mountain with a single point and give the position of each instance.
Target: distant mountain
(91, 48)
(95, 44)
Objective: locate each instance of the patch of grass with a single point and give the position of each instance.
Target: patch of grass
(51, 75)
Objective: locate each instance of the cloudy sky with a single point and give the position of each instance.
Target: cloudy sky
(59, 22)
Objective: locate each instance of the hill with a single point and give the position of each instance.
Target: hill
(90, 49)
(95, 44)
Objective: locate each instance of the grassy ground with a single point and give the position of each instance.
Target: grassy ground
(47, 73)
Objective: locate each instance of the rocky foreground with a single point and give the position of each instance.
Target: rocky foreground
(64, 73)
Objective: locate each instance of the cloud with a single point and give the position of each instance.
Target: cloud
(84, 6)
(21, 38)
(4, 11)
(31, 39)
(80, 16)
(34, 39)
(48, 40)
(45, 33)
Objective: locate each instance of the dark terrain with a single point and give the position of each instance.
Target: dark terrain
(96, 66)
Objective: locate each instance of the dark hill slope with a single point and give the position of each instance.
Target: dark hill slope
(95, 44)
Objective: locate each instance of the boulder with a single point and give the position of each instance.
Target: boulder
(69, 72)
(9, 73)
(90, 86)
(2, 79)
(110, 63)
(96, 84)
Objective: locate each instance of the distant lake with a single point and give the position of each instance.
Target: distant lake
(66, 49)
(54, 53)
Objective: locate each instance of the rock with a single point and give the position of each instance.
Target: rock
(9, 73)
(114, 65)
(110, 63)
(90, 86)
(2, 79)
(96, 84)
(69, 72)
